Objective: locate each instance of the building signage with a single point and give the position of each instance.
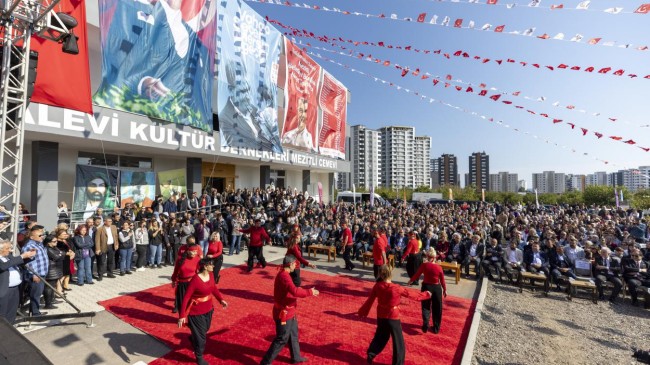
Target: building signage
(288, 156)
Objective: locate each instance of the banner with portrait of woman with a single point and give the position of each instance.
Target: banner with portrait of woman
(333, 101)
(95, 188)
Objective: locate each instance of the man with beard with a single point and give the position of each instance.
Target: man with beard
(96, 190)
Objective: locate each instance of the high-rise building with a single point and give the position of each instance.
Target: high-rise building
(421, 164)
(365, 157)
(504, 182)
(615, 178)
(397, 148)
(637, 179)
(549, 182)
(448, 170)
(521, 185)
(434, 165)
(479, 171)
(597, 178)
(578, 183)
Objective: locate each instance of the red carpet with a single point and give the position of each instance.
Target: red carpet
(330, 330)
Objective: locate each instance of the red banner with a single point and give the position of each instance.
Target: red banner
(63, 79)
(300, 124)
(333, 101)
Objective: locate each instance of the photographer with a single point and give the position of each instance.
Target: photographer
(126, 248)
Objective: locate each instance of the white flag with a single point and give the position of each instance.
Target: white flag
(535, 3)
(393, 16)
(583, 5)
(529, 31)
(559, 36)
(557, 103)
(472, 1)
(609, 43)
(624, 45)
(326, 9)
(510, 6)
(445, 22)
(487, 26)
(434, 20)
(613, 10)
(471, 24)
(541, 98)
(577, 38)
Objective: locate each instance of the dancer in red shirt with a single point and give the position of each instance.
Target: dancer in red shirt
(411, 253)
(388, 297)
(284, 313)
(215, 252)
(184, 270)
(346, 246)
(434, 282)
(197, 308)
(293, 248)
(379, 251)
(258, 237)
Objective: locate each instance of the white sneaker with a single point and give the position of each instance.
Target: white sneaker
(140, 269)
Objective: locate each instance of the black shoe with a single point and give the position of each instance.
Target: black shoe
(159, 266)
(122, 274)
(90, 283)
(300, 360)
(111, 276)
(370, 358)
(99, 278)
(39, 314)
(425, 329)
(436, 329)
(201, 361)
(51, 307)
(129, 273)
(601, 297)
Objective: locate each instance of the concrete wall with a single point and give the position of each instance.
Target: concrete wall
(247, 177)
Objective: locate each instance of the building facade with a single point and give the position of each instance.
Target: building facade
(448, 170)
(549, 182)
(504, 182)
(365, 156)
(479, 171)
(421, 164)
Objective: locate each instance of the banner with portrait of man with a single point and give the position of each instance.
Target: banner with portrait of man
(300, 128)
(137, 187)
(333, 101)
(248, 54)
(172, 183)
(95, 188)
(157, 59)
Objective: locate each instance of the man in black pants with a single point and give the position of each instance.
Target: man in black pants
(258, 237)
(346, 246)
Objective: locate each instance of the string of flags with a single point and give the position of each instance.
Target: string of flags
(609, 70)
(458, 23)
(537, 4)
(448, 80)
(423, 97)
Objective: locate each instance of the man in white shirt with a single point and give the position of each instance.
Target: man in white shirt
(10, 279)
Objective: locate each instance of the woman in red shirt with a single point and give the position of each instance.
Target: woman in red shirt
(434, 282)
(184, 270)
(293, 248)
(388, 297)
(197, 308)
(215, 253)
(411, 253)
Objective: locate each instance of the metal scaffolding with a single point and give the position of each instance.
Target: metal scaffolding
(19, 21)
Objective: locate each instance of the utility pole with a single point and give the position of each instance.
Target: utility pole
(19, 21)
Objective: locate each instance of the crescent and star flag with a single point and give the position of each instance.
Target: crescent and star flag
(458, 23)
(643, 9)
(492, 2)
(499, 29)
(421, 17)
(63, 79)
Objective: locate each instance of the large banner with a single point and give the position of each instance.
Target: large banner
(157, 58)
(137, 187)
(248, 52)
(172, 183)
(94, 188)
(300, 128)
(333, 101)
(63, 79)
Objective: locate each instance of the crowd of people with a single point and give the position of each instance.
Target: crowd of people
(194, 231)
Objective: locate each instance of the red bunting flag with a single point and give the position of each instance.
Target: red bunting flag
(386, 63)
(486, 60)
(421, 17)
(459, 88)
(589, 69)
(584, 131)
(619, 72)
(612, 119)
(508, 102)
(573, 126)
(458, 53)
(482, 86)
(380, 44)
(645, 149)
(469, 89)
(556, 121)
(435, 82)
(492, 2)
(604, 70)
(630, 141)
(616, 138)
(404, 72)
(599, 135)
(499, 61)
(495, 97)
(416, 72)
(561, 6)
(593, 41)
(448, 77)
(575, 68)
(483, 93)
(544, 36)
(516, 93)
(562, 66)
(643, 9)
(458, 23)
(499, 29)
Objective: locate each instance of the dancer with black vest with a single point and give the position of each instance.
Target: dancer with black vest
(434, 282)
(197, 308)
(258, 237)
(184, 270)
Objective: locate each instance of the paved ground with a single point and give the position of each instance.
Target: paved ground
(115, 342)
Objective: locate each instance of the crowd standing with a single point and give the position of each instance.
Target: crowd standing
(495, 238)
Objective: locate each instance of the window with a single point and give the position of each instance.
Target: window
(109, 160)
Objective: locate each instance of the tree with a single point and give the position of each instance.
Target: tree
(599, 195)
(641, 199)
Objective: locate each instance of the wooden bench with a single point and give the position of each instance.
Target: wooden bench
(455, 267)
(532, 277)
(330, 250)
(574, 285)
(367, 258)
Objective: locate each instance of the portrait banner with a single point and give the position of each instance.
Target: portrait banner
(94, 188)
(137, 187)
(157, 59)
(333, 101)
(248, 54)
(300, 128)
(172, 183)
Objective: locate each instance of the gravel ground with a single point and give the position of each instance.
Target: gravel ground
(529, 328)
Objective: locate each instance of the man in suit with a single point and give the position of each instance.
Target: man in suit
(474, 253)
(10, 279)
(536, 261)
(456, 249)
(493, 256)
(607, 269)
(106, 243)
(560, 266)
(513, 259)
(635, 273)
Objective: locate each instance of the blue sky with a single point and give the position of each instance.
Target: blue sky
(376, 105)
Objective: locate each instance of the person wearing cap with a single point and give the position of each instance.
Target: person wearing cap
(285, 295)
(346, 246)
(258, 237)
(197, 308)
(293, 248)
(434, 282)
(411, 254)
(184, 270)
(388, 297)
(379, 251)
